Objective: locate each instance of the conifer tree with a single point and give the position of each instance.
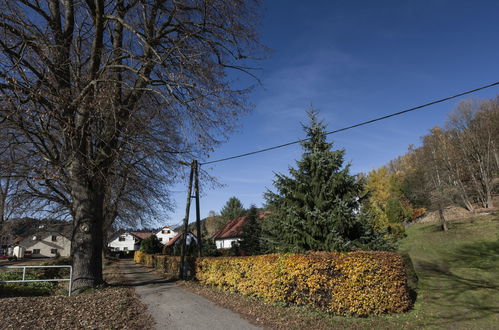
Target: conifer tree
(317, 207)
(252, 231)
(232, 209)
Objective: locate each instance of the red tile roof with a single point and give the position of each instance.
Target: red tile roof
(173, 240)
(233, 228)
(142, 235)
(176, 237)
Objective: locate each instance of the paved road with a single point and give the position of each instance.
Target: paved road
(173, 307)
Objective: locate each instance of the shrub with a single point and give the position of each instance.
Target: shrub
(151, 245)
(169, 265)
(24, 289)
(355, 283)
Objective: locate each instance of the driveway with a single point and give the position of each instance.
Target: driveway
(173, 307)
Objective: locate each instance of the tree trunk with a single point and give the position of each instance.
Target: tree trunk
(441, 217)
(87, 238)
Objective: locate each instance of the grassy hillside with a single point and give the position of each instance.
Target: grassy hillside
(458, 273)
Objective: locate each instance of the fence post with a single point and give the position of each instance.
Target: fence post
(70, 280)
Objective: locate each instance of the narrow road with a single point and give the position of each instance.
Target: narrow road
(173, 307)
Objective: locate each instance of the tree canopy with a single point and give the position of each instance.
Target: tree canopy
(108, 96)
(318, 206)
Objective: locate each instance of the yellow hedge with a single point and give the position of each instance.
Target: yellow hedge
(169, 265)
(355, 283)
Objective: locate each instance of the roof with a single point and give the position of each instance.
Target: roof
(64, 230)
(176, 237)
(233, 228)
(141, 235)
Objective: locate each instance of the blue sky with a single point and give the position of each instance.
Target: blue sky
(353, 61)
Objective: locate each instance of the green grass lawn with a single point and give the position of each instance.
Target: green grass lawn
(458, 274)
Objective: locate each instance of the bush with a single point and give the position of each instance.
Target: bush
(169, 265)
(24, 289)
(151, 245)
(355, 283)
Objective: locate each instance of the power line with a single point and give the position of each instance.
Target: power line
(356, 125)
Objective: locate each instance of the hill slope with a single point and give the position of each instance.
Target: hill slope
(457, 270)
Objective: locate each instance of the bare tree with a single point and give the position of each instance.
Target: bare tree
(85, 83)
(473, 126)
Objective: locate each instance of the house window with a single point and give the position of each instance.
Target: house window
(36, 251)
(122, 238)
(54, 238)
(170, 239)
(53, 251)
(125, 248)
(160, 239)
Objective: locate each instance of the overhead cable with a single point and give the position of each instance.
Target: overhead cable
(356, 125)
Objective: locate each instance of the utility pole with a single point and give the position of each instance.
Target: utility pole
(195, 165)
(186, 225)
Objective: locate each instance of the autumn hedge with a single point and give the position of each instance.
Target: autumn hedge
(169, 265)
(355, 283)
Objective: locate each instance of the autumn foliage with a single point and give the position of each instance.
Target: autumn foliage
(355, 283)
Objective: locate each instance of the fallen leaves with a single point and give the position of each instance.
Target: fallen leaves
(108, 308)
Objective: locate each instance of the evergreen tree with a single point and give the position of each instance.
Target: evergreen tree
(151, 245)
(252, 231)
(232, 209)
(317, 207)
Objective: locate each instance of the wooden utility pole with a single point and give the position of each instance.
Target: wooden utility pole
(186, 225)
(195, 165)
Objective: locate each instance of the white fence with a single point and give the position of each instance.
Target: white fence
(24, 280)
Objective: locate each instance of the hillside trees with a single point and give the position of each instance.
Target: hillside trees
(317, 206)
(455, 165)
(84, 84)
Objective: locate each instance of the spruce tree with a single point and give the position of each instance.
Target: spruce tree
(232, 209)
(316, 207)
(252, 231)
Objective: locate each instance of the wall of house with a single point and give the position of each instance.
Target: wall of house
(165, 235)
(226, 243)
(131, 243)
(44, 243)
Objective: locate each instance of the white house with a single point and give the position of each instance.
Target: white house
(127, 241)
(230, 234)
(166, 234)
(47, 244)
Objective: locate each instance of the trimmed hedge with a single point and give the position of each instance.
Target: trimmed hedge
(354, 283)
(169, 265)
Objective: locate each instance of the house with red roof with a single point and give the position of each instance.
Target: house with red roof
(230, 234)
(166, 234)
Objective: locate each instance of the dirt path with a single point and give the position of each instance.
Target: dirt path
(175, 308)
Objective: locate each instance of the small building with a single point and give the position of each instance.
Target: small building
(127, 241)
(170, 246)
(166, 234)
(230, 234)
(47, 244)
